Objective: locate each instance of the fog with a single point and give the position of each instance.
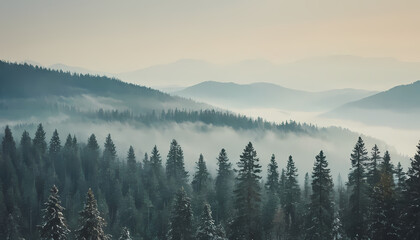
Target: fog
(403, 140)
(196, 138)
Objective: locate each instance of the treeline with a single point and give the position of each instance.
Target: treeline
(78, 191)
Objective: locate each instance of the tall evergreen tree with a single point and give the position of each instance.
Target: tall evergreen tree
(9, 146)
(373, 167)
(306, 189)
(224, 186)
(412, 197)
(181, 227)
(39, 143)
(207, 229)
(246, 223)
(321, 210)
(91, 223)
(125, 235)
(26, 148)
(90, 161)
(357, 213)
(291, 199)
(272, 201)
(383, 224)
(54, 149)
(54, 226)
(201, 177)
(175, 169)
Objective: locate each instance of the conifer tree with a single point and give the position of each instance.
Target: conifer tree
(54, 149)
(26, 148)
(90, 161)
(321, 212)
(306, 189)
(224, 186)
(412, 197)
(373, 167)
(246, 223)
(181, 218)
(383, 224)
(9, 146)
(356, 218)
(91, 223)
(207, 229)
(201, 177)
(125, 235)
(54, 226)
(175, 169)
(272, 202)
(282, 187)
(272, 183)
(39, 143)
(291, 199)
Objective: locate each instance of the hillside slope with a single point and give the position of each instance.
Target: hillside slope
(268, 95)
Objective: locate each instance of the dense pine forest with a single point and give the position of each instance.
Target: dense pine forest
(64, 188)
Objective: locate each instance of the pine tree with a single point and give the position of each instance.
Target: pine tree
(272, 183)
(54, 149)
(181, 218)
(321, 211)
(125, 235)
(383, 224)
(207, 229)
(54, 226)
(306, 189)
(90, 161)
(201, 177)
(91, 223)
(26, 148)
(291, 199)
(412, 197)
(373, 167)
(9, 146)
(271, 204)
(246, 223)
(224, 186)
(39, 143)
(356, 218)
(175, 169)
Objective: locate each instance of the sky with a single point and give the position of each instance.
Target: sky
(118, 36)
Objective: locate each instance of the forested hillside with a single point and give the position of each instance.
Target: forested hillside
(29, 90)
(66, 188)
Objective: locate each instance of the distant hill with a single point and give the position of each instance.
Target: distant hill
(398, 106)
(268, 95)
(313, 74)
(25, 86)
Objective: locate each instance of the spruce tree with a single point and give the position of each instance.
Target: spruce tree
(26, 149)
(321, 211)
(383, 224)
(246, 223)
(272, 201)
(412, 197)
(39, 143)
(90, 161)
(201, 177)
(175, 169)
(291, 199)
(125, 235)
(224, 186)
(207, 229)
(54, 226)
(91, 223)
(9, 146)
(272, 184)
(54, 149)
(306, 190)
(181, 218)
(356, 218)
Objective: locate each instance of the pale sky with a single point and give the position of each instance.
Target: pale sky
(117, 36)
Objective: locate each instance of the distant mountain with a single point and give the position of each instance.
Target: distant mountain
(268, 95)
(30, 88)
(398, 106)
(313, 74)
